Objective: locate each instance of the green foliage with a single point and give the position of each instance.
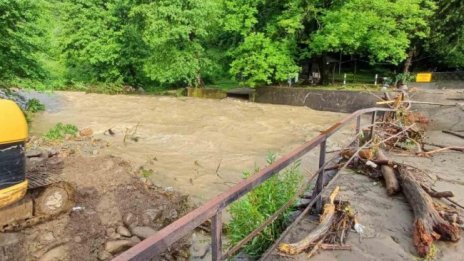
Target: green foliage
(255, 207)
(404, 78)
(259, 60)
(60, 131)
(146, 173)
(380, 29)
(447, 41)
(101, 46)
(21, 39)
(180, 29)
(89, 40)
(34, 105)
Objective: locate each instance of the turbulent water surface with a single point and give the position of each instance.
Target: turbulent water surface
(196, 146)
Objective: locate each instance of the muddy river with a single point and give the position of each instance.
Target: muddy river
(196, 146)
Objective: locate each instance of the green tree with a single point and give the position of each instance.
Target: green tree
(382, 30)
(447, 39)
(176, 33)
(21, 40)
(265, 48)
(259, 60)
(90, 40)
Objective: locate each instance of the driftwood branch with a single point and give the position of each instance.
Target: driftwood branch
(443, 146)
(428, 224)
(429, 153)
(391, 182)
(437, 194)
(453, 133)
(326, 220)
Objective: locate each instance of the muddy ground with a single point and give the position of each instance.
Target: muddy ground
(115, 207)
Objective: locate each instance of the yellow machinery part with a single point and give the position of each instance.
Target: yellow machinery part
(13, 124)
(13, 194)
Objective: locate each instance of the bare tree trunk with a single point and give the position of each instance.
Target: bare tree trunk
(324, 70)
(408, 62)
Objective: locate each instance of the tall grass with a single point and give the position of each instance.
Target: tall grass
(255, 207)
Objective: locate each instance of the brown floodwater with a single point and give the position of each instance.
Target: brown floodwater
(196, 146)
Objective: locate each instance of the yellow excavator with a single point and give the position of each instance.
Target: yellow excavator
(25, 200)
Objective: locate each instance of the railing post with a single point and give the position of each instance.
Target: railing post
(320, 177)
(358, 129)
(374, 116)
(216, 236)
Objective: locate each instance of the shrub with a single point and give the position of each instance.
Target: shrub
(60, 130)
(255, 207)
(34, 105)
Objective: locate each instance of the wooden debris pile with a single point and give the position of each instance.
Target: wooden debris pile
(401, 131)
(336, 221)
(433, 219)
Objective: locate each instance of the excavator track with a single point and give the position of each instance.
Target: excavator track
(46, 199)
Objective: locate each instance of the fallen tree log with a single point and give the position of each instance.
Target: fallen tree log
(391, 182)
(326, 220)
(428, 224)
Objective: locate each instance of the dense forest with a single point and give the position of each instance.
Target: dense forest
(53, 44)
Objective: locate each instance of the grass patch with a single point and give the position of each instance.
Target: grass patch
(146, 173)
(60, 131)
(224, 84)
(255, 207)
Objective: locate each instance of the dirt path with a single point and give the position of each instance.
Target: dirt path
(197, 146)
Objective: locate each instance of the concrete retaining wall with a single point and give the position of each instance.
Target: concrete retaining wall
(441, 117)
(324, 100)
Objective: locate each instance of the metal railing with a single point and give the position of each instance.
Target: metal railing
(213, 209)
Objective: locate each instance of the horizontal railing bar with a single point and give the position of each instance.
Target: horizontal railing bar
(159, 242)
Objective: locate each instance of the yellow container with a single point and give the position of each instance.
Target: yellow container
(424, 77)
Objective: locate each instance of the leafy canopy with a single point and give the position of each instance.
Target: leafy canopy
(380, 29)
(21, 40)
(175, 32)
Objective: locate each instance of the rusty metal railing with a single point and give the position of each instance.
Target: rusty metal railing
(161, 241)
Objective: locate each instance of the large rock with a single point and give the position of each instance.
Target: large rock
(143, 232)
(34, 154)
(59, 253)
(135, 240)
(86, 132)
(123, 231)
(116, 246)
(103, 255)
(130, 220)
